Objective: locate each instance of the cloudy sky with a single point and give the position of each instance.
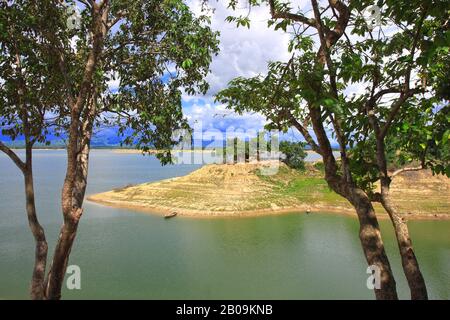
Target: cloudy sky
(243, 52)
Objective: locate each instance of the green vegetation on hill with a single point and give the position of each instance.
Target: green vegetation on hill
(306, 186)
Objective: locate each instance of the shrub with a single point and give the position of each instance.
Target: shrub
(294, 154)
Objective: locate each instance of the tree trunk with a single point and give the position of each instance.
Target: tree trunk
(55, 277)
(372, 243)
(72, 201)
(37, 291)
(369, 230)
(73, 194)
(414, 276)
(82, 115)
(410, 264)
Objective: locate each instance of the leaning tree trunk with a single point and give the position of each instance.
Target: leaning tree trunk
(37, 291)
(83, 112)
(410, 264)
(55, 277)
(72, 215)
(414, 276)
(372, 243)
(369, 230)
(72, 198)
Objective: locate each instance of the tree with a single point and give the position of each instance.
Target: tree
(294, 154)
(155, 50)
(29, 99)
(310, 91)
(152, 37)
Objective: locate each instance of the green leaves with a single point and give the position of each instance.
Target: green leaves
(282, 25)
(240, 21)
(351, 67)
(160, 50)
(373, 60)
(31, 88)
(294, 154)
(187, 64)
(155, 51)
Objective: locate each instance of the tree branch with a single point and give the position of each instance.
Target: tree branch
(382, 92)
(413, 47)
(19, 163)
(400, 171)
(119, 15)
(375, 197)
(304, 131)
(395, 107)
(288, 15)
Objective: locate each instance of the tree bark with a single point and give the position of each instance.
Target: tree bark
(71, 215)
(72, 201)
(37, 281)
(61, 255)
(82, 115)
(369, 231)
(37, 291)
(72, 198)
(410, 265)
(372, 244)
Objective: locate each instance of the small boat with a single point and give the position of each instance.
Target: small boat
(170, 215)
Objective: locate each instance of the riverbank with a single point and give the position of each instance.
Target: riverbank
(244, 190)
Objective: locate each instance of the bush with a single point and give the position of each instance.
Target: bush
(294, 154)
(319, 166)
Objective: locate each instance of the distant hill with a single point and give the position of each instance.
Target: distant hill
(107, 138)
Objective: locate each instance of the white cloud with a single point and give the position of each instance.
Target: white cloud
(211, 116)
(243, 52)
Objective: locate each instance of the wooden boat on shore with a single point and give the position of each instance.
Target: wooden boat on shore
(170, 215)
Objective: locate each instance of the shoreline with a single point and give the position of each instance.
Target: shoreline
(321, 209)
(239, 190)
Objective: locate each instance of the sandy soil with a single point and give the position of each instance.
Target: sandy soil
(238, 190)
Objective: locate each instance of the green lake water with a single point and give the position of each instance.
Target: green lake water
(132, 255)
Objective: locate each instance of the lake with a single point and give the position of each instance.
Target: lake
(132, 255)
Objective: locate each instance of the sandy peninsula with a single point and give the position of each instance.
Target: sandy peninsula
(243, 190)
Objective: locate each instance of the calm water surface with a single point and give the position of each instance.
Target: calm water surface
(131, 255)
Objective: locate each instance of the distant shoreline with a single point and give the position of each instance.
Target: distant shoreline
(306, 209)
(124, 150)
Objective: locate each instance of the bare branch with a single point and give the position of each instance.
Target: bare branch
(383, 92)
(304, 131)
(19, 163)
(413, 47)
(288, 15)
(119, 15)
(400, 171)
